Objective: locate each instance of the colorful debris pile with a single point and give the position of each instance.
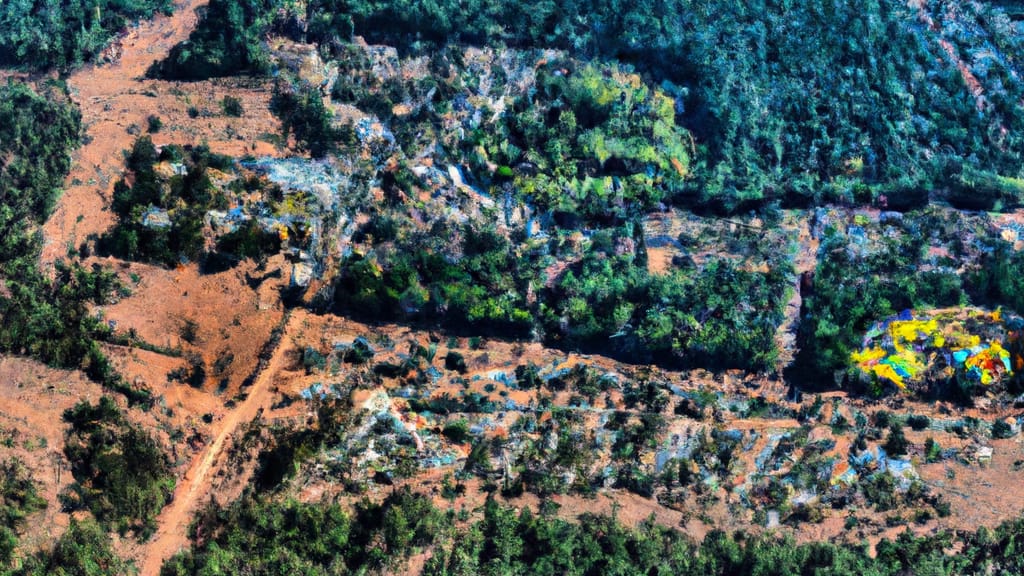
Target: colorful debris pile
(969, 344)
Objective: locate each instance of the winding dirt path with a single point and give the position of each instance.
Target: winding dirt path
(172, 534)
(112, 97)
(116, 101)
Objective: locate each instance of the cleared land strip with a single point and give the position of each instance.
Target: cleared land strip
(173, 521)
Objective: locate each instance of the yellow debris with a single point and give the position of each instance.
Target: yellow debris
(886, 371)
(901, 350)
(869, 355)
(907, 331)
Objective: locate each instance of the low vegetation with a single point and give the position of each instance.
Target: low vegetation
(83, 550)
(18, 499)
(122, 474)
(46, 317)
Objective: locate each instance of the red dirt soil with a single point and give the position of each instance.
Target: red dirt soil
(232, 320)
(115, 98)
(32, 398)
(192, 489)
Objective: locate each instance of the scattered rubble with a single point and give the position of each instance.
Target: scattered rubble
(915, 349)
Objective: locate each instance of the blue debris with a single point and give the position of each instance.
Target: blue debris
(868, 456)
(316, 390)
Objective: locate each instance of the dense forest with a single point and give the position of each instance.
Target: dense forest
(227, 41)
(719, 315)
(37, 132)
(321, 538)
(877, 113)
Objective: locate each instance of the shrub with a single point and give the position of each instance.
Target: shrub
(1000, 429)
(457, 431)
(918, 422)
(896, 444)
(232, 106)
(303, 114)
(454, 361)
(122, 474)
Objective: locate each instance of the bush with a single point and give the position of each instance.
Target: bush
(312, 360)
(457, 431)
(918, 422)
(249, 240)
(932, 450)
(232, 106)
(304, 115)
(122, 475)
(454, 361)
(83, 550)
(18, 498)
(896, 444)
(360, 353)
(1000, 430)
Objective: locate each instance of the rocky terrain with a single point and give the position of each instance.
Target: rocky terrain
(343, 273)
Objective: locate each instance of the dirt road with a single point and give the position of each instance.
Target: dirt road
(116, 101)
(173, 521)
(105, 95)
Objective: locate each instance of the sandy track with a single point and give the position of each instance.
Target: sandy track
(116, 101)
(98, 162)
(114, 98)
(173, 521)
